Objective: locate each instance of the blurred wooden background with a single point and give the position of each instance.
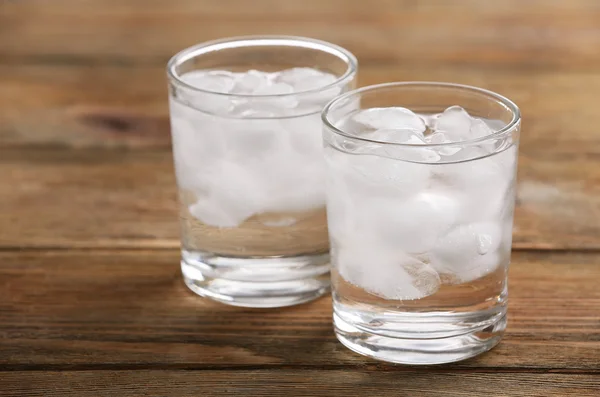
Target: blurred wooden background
(91, 301)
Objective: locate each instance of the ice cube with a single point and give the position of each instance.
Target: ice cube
(219, 213)
(296, 191)
(293, 173)
(412, 154)
(507, 160)
(507, 230)
(251, 81)
(458, 125)
(389, 118)
(282, 161)
(211, 80)
(294, 75)
(314, 82)
(247, 140)
(441, 138)
(396, 135)
(479, 129)
(339, 213)
(387, 147)
(246, 109)
(291, 180)
(369, 175)
(271, 100)
(262, 163)
(196, 144)
(388, 274)
(455, 122)
(274, 89)
(230, 199)
(191, 155)
(413, 224)
(341, 197)
(389, 137)
(216, 81)
(305, 137)
(429, 119)
(464, 153)
(319, 83)
(482, 184)
(468, 252)
(308, 79)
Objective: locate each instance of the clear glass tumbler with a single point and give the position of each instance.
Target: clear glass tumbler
(248, 152)
(420, 200)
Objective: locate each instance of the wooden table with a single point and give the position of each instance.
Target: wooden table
(91, 299)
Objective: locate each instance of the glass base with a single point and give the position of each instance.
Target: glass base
(256, 282)
(424, 348)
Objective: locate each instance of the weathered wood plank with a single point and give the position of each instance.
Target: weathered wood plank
(85, 163)
(542, 34)
(87, 199)
(84, 106)
(357, 382)
(105, 198)
(130, 309)
(123, 107)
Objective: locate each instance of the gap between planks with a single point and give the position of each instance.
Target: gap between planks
(375, 366)
(166, 246)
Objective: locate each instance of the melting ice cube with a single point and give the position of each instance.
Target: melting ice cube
(215, 81)
(469, 251)
(457, 125)
(413, 224)
(251, 81)
(308, 79)
(388, 274)
(483, 184)
(391, 118)
(230, 198)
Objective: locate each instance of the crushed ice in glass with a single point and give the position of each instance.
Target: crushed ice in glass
(405, 219)
(251, 148)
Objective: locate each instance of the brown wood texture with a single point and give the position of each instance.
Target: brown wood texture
(130, 309)
(122, 198)
(82, 106)
(532, 33)
(402, 382)
(91, 299)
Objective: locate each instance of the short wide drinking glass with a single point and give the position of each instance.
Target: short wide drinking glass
(248, 152)
(420, 201)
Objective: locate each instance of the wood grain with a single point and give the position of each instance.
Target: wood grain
(395, 381)
(131, 310)
(91, 299)
(513, 34)
(84, 106)
(126, 107)
(107, 198)
(87, 199)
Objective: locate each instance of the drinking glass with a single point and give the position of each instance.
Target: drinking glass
(420, 199)
(248, 153)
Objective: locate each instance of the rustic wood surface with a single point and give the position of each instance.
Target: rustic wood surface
(91, 300)
(88, 309)
(285, 382)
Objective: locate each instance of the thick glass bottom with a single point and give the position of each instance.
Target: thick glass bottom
(256, 281)
(423, 338)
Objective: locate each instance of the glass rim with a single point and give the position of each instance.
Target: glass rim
(262, 40)
(507, 103)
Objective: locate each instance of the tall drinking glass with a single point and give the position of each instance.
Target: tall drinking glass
(421, 191)
(247, 145)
